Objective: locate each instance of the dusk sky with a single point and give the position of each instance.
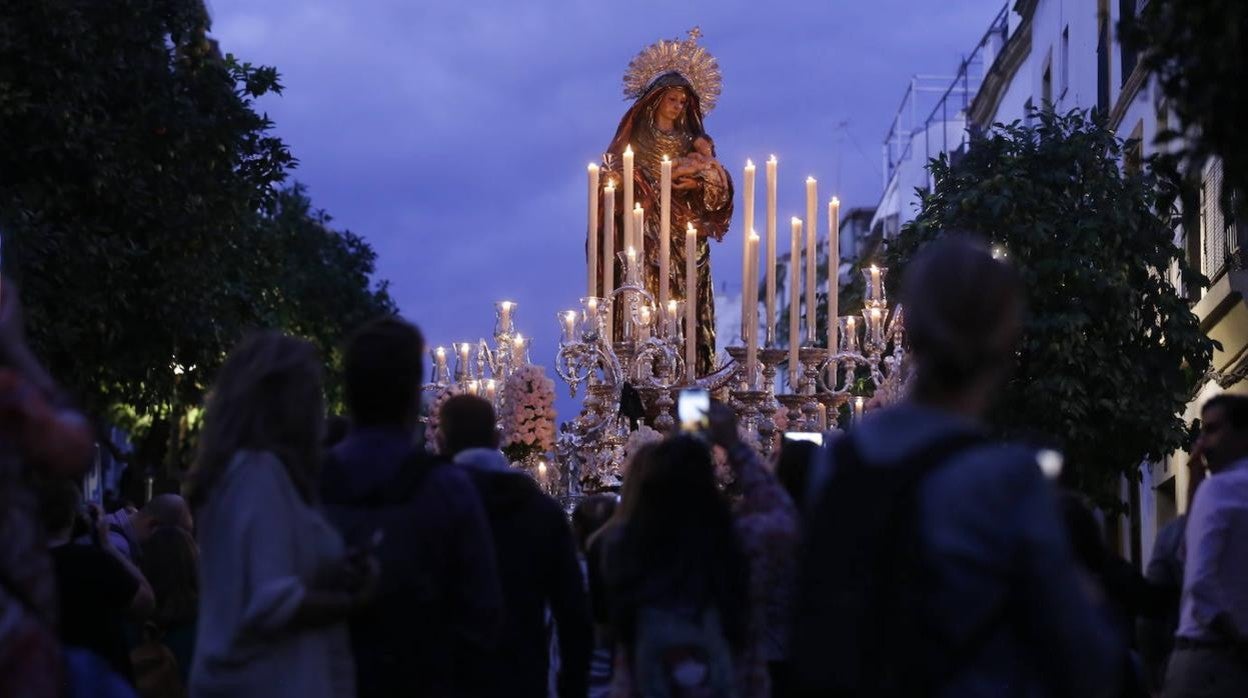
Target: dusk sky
(454, 135)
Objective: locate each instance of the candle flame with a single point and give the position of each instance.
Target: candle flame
(637, 207)
(753, 235)
(690, 229)
(749, 164)
(440, 351)
(507, 305)
(593, 167)
(875, 269)
(628, 149)
(673, 306)
(795, 220)
(810, 180)
(875, 313)
(836, 202)
(570, 316)
(773, 160)
(666, 159)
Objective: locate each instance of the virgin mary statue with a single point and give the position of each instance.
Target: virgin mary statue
(674, 84)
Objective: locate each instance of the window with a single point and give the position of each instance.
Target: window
(1217, 239)
(1065, 84)
(1126, 15)
(1046, 83)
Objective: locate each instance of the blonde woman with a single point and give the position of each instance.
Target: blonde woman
(276, 585)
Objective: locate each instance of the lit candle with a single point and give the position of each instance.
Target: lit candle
(834, 269)
(608, 249)
(541, 470)
(474, 387)
(812, 217)
(517, 350)
(748, 227)
(860, 408)
(848, 335)
(632, 264)
(591, 313)
(691, 302)
(644, 316)
(673, 319)
(439, 355)
(875, 292)
(464, 365)
(593, 230)
(751, 316)
(504, 316)
(628, 195)
(639, 235)
(665, 231)
(875, 326)
(795, 298)
(569, 325)
(771, 251)
(491, 390)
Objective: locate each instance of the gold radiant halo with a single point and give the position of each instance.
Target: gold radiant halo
(685, 57)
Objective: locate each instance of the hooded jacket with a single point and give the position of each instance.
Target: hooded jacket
(538, 568)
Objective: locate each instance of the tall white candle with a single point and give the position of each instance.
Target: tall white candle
(608, 251)
(747, 291)
(771, 250)
(691, 303)
(751, 316)
(628, 196)
(795, 299)
(592, 256)
(665, 232)
(639, 235)
(834, 269)
(812, 215)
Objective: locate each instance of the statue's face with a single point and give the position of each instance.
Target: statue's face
(672, 106)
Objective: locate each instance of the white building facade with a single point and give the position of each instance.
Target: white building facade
(1067, 53)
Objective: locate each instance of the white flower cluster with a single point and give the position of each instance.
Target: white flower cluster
(528, 413)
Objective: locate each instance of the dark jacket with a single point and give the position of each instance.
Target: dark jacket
(438, 606)
(538, 567)
(1000, 564)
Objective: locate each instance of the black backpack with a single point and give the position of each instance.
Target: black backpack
(859, 631)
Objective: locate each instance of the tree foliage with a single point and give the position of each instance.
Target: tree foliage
(1111, 351)
(142, 207)
(1196, 50)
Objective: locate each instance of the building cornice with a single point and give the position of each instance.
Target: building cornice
(1013, 55)
(1127, 95)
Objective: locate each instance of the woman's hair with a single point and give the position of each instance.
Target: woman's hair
(171, 565)
(268, 397)
(678, 546)
(963, 312)
(590, 515)
(793, 467)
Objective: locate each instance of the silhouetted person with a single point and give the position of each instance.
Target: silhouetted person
(936, 562)
(278, 586)
(537, 562)
(171, 565)
(1210, 658)
(438, 607)
(793, 467)
(99, 589)
(129, 530)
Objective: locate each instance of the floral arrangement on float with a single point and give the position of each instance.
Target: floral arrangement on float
(527, 422)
